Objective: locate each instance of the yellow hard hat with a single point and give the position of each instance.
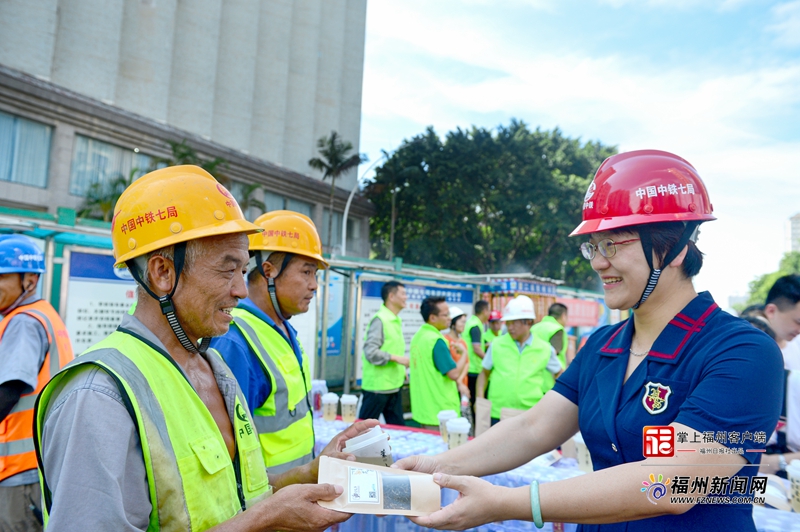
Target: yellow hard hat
(290, 232)
(172, 205)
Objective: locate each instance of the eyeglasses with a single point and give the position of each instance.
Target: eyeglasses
(607, 248)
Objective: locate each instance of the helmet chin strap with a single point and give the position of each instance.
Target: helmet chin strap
(165, 301)
(271, 289)
(25, 293)
(689, 233)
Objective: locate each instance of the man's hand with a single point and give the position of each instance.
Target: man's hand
(403, 361)
(295, 508)
(336, 445)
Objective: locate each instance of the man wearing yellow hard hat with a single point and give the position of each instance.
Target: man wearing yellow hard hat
(148, 429)
(262, 348)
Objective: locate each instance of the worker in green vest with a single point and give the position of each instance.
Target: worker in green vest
(261, 347)
(384, 360)
(518, 364)
(494, 328)
(433, 371)
(148, 429)
(473, 335)
(552, 329)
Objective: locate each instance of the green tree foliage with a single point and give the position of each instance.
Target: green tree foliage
(102, 196)
(487, 202)
(335, 161)
(759, 287)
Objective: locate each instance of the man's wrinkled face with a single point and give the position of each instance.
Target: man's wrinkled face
(213, 286)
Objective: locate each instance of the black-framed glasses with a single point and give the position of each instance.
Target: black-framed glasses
(607, 248)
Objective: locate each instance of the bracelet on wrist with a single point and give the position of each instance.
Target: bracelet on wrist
(536, 509)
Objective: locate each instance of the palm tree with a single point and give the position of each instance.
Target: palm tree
(248, 199)
(102, 196)
(334, 162)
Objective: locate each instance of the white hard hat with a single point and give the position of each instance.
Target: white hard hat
(455, 312)
(519, 308)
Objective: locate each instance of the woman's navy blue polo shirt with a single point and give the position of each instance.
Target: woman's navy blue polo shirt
(708, 370)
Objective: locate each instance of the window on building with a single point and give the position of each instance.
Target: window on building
(353, 236)
(276, 202)
(299, 206)
(24, 150)
(336, 242)
(95, 161)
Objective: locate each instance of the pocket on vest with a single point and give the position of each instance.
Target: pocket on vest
(254, 469)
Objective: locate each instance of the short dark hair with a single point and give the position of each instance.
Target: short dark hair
(785, 293)
(390, 288)
(480, 306)
(557, 310)
(760, 324)
(756, 311)
(430, 305)
(665, 235)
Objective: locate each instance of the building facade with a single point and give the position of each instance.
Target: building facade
(95, 89)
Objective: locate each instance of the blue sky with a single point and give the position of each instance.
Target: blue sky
(715, 81)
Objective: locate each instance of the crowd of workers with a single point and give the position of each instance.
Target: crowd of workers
(196, 412)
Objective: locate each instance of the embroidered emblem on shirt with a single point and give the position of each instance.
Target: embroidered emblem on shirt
(656, 397)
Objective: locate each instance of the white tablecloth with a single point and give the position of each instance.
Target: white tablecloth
(408, 443)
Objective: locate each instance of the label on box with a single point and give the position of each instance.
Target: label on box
(363, 486)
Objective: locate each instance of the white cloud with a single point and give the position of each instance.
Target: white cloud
(721, 5)
(787, 25)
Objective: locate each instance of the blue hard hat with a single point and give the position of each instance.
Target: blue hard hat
(19, 254)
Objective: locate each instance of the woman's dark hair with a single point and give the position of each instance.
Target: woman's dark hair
(664, 236)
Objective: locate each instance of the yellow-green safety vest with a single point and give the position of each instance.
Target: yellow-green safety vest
(546, 329)
(430, 390)
(519, 380)
(284, 421)
(474, 360)
(391, 375)
(193, 483)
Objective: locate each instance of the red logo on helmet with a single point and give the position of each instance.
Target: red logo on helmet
(224, 191)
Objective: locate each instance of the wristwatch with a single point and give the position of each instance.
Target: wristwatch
(781, 462)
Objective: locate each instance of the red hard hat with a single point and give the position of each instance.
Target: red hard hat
(643, 187)
(495, 315)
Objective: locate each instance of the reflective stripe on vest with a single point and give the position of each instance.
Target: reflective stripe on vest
(286, 434)
(517, 379)
(17, 451)
(430, 390)
(191, 479)
(391, 375)
(474, 360)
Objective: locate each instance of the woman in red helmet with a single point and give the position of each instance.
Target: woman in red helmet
(676, 401)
